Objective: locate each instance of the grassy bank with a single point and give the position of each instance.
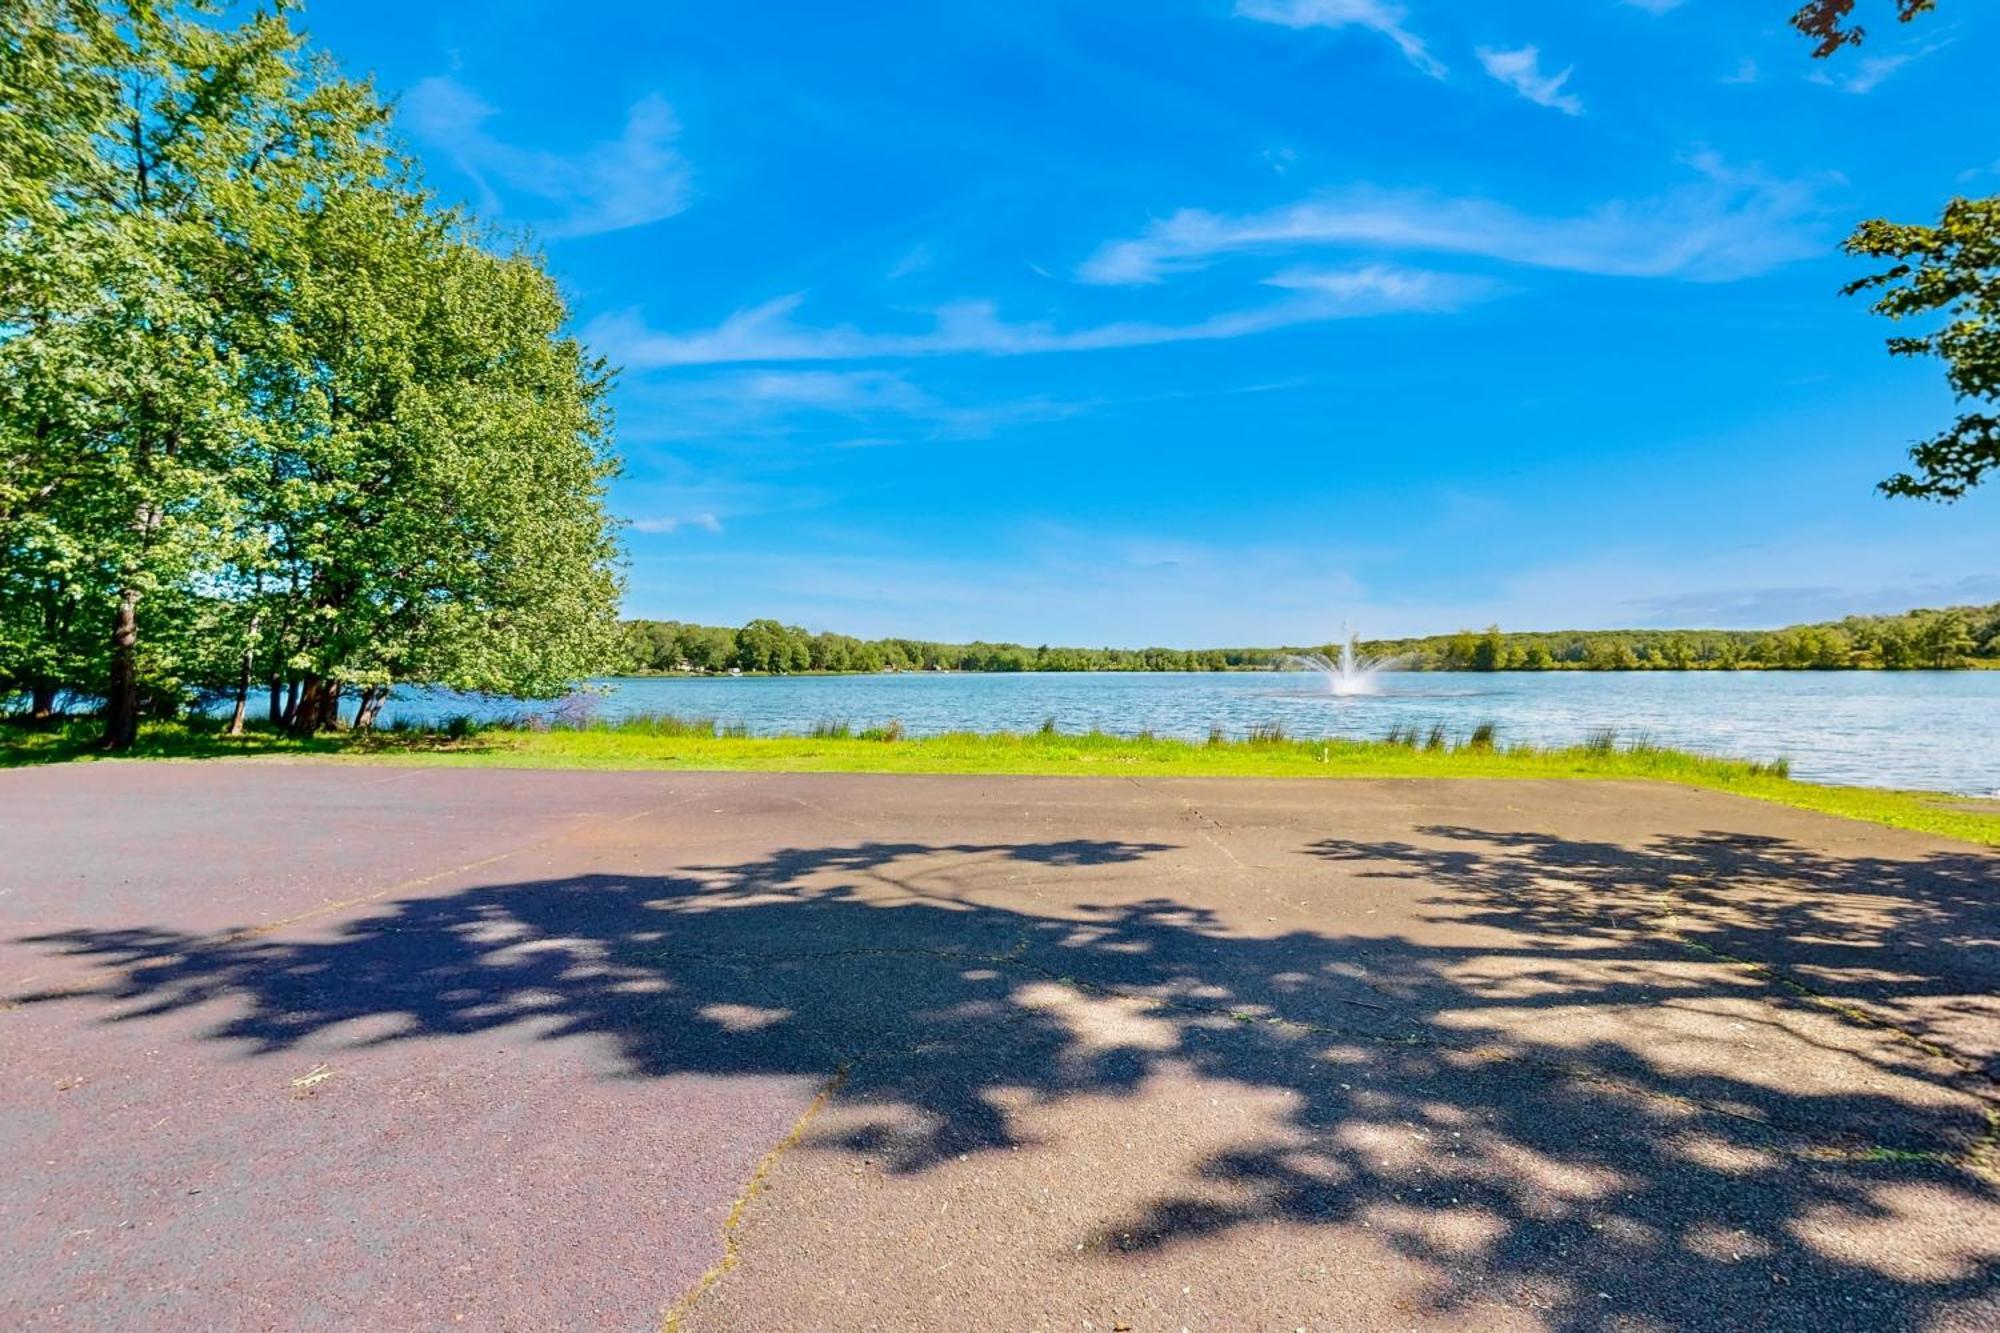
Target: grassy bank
(671, 743)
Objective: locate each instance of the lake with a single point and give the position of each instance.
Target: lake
(1938, 730)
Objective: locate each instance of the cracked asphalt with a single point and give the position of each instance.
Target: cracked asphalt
(292, 1045)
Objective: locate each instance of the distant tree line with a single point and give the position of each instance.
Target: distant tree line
(273, 422)
(768, 646)
(1925, 639)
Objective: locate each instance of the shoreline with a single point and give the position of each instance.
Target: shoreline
(682, 745)
(1749, 669)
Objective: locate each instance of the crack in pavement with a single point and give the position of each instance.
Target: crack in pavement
(671, 1321)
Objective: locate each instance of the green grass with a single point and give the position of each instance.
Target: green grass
(697, 744)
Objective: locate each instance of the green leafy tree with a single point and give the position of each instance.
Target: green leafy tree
(47, 593)
(1490, 652)
(1953, 270)
(152, 153)
(710, 649)
(1943, 640)
(1896, 647)
(1459, 651)
(1986, 633)
(118, 403)
(1613, 654)
(437, 492)
(767, 645)
(263, 406)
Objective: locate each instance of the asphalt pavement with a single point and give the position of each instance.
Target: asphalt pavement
(298, 1046)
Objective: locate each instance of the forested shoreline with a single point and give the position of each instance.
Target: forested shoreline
(274, 422)
(1927, 639)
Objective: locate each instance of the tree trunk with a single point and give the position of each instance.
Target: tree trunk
(277, 701)
(242, 699)
(42, 692)
(243, 678)
(303, 713)
(291, 703)
(318, 707)
(121, 700)
(372, 700)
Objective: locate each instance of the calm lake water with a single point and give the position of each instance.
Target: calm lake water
(1926, 729)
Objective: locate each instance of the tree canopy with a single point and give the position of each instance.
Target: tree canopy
(268, 411)
(1952, 269)
(1826, 22)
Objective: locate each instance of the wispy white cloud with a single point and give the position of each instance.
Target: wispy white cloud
(1729, 225)
(630, 181)
(1868, 73)
(1057, 583)
(1521, 70)
(1772, 606)
(696, 494)
(768, 332)
(819, 390)
(1746, 72)
(742, 404)
(1380, 16)
(914, 260)
(1040, 582)
(702, 522)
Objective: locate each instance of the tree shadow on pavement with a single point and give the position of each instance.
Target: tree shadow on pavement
(1914, 944)
(1539, 1091)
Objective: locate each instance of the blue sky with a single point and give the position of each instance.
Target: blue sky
(1227, 321)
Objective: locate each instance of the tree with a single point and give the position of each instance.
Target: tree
(1613, 654)
(1490, 652)
(436, 495)
(264, 407)
(766, 645)
(1987, 633)
(1944, 639)
(1953, 269)
(1895, 647)
(109, 379)
(140, 143)
(1825, 21)
(45, 259)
